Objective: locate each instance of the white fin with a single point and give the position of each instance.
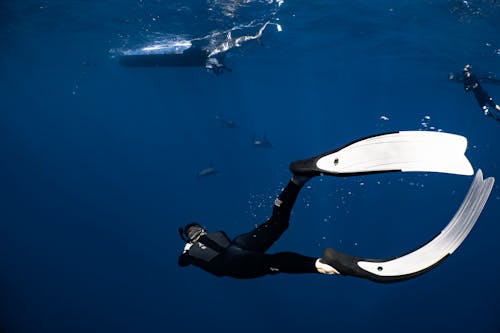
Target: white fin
(443, 244)
(402, 151)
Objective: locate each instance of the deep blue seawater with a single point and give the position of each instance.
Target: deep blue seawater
(98, 163)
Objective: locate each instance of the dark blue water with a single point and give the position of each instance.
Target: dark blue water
(98, 163)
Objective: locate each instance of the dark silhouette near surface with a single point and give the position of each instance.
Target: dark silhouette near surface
(193, 56)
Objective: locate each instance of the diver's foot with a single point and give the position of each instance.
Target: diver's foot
(305, 168)
(327, 262)
(324, 268)
(300, 179)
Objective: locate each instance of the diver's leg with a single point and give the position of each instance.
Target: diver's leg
(496, 113)
(294, 263)
(492, 110)
(290, 262)
(495, 109)
(256, 264)
(261, 238)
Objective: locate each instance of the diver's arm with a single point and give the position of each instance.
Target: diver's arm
(184, 258)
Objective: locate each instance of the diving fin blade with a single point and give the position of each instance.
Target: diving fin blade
(427, 256)
(403, 151)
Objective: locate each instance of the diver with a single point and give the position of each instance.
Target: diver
(245, 256)
(471, 83)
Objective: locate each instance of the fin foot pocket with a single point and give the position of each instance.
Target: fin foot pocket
(305, 167)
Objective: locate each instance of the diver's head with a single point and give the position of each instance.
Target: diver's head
(193, 231)
(467, 67)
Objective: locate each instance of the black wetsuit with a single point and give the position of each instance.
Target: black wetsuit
(471, 83)
(244, 257)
